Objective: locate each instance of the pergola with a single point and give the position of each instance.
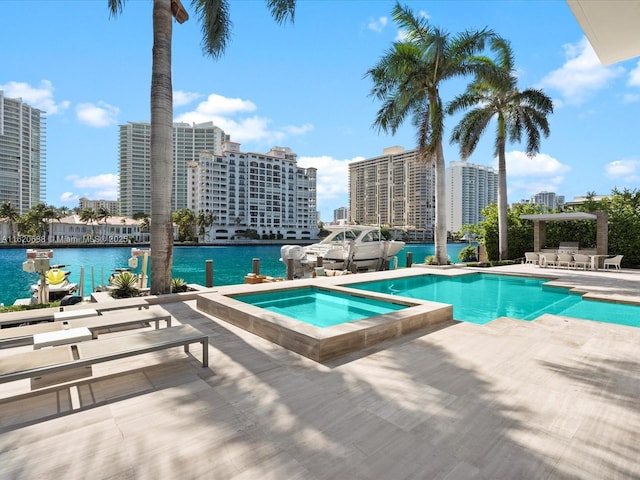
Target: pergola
(611, 27)
(540, 226)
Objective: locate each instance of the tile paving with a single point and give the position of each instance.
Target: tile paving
(556, 398)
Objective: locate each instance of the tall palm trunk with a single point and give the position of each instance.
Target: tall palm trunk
(502, 200)
(161, 149)
(441, 209)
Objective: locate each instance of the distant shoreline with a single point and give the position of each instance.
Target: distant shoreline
(221, 243)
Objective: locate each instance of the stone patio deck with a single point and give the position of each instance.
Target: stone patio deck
(556, 398)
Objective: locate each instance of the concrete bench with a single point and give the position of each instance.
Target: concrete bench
(24, 316)
(122, 319)
(60, 337)
(36, 363)
(80, 313)
(23, 335)
(48, 314)
(122, 303)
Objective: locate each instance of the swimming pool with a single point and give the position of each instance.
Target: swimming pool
(265, 311)
(481, 297)
(321, 308)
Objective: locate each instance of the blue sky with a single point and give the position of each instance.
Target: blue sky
(303, 86)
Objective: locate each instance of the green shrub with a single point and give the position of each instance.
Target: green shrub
(433, 260)
(35, 306)
(125, 285)
(178, 285)
(468, 254)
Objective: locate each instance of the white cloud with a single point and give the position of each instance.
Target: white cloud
(98, 187)
(581, 75)
(229, 115)
(634, 77)
(181, 98)
(626, 169)
(39, 97)
(540, 165)
(216, 105)
(104, 180)
(529, 175)
(378, 24)
(298, 130)
(332, 183)
(68, 198)
(97, 115)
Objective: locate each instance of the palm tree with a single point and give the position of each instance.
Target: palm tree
(88, 215)
(407, 80)
(51, 213)
(186, 221)
(103, 214)
(10, 214)
(516, 112)
(205, 221)
(216, 26)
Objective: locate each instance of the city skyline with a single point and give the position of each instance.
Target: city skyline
(303, 86)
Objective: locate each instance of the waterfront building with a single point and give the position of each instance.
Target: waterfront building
(253, 195)
(112, 206)
(22, 154)
(341, 213)
(548, 199)
(115, 230)
(395, 190)
(470, 188)
(135, 162)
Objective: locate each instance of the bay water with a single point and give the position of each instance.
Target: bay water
(230, 264)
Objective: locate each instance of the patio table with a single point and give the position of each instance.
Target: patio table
(595, 260)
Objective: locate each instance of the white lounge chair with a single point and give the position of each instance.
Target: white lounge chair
(613, 262)
(531, 257)
(564, 259)
(548, 260)
(581, 260)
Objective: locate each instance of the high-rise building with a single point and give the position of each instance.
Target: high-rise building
(264, 194)
(22, 154)
(341, 213)
(111, 206)
(135, 162)
(470, 188)
(396, 190)
(548, 199)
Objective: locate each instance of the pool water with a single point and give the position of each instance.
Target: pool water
(480, 298)
(321, 308)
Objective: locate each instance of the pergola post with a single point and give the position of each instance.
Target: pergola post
(602, 235)
(539, 234)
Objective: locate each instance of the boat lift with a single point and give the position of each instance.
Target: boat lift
(38, 260)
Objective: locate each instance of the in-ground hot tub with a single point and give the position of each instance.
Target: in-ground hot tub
(269, 311)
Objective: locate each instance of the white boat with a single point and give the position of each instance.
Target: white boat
(354, 248)
(57, 282)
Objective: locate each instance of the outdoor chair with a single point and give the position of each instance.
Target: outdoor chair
(581, 260)
(548, 260)
(613, 262)
(531, 257)
(564, 259)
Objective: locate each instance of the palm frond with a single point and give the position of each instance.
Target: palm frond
(215, 25)
(282, 10)
(115, 7)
